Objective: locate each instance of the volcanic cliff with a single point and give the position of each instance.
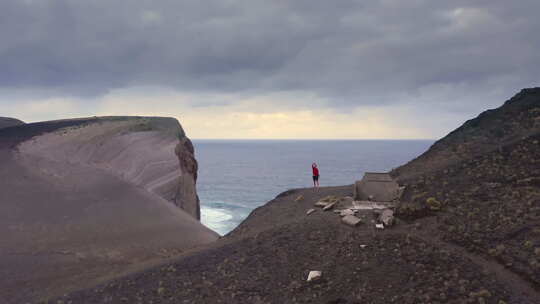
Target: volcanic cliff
(82, 200)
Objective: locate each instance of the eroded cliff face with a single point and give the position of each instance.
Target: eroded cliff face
(90, 199)
(186, 195)
(150, 152)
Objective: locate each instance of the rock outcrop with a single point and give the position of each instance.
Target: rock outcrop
(6, 122)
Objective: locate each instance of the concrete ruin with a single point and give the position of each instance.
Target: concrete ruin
(378, 187)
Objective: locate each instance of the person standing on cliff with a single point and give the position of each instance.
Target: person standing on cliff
(315, 175)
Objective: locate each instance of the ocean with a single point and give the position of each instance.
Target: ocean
(237, 176)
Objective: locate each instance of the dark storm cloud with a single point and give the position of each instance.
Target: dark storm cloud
(349, 51)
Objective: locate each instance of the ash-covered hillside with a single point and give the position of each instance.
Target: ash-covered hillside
(84, 200)
(486, 195)
(467, 231)
(516, 119)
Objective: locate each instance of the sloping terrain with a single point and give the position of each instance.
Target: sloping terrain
(6, 122)
(268, 257)
(468, 232)
(489, 202)
(87, 199)
(519, 117)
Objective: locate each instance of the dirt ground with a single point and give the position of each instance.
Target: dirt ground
(268, 257)
(468, 231)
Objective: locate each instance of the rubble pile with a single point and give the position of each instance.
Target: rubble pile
(353, 212)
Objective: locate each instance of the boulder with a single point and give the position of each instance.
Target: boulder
(387, 217)
(314, 275)
(351, 220)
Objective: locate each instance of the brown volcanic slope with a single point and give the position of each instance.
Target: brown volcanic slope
(519, 117)
(482, 246)
(6, 122)
(86, 199)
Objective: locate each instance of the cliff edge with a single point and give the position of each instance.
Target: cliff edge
(83, 200)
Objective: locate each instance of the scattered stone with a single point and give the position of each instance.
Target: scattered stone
(346, 212)
(329, 206)
(321, 204)
(310, 211)
(484, 293)
(314, 275)
(351, 220)
(329, 199)
(387, 217)
(433, 204)
(379, 226)
(346, 202)
(299, 198)
(363, 246)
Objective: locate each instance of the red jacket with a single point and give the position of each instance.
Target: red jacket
(315, 171)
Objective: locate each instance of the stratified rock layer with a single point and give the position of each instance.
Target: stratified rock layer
(88, 199)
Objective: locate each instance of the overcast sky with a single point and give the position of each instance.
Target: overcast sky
(269, 69)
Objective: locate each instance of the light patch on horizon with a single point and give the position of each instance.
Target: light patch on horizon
(262, 117)
(43, 109)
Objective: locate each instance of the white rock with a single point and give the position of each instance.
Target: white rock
(346, 212)
(351, 220)
(310, 211)
(314, 275)
(321, 204)
(329, 206)
(363, 246)
(379, 226)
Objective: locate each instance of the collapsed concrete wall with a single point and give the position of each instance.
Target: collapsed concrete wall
(378, 187)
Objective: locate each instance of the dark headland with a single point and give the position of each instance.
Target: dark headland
(467, 231)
